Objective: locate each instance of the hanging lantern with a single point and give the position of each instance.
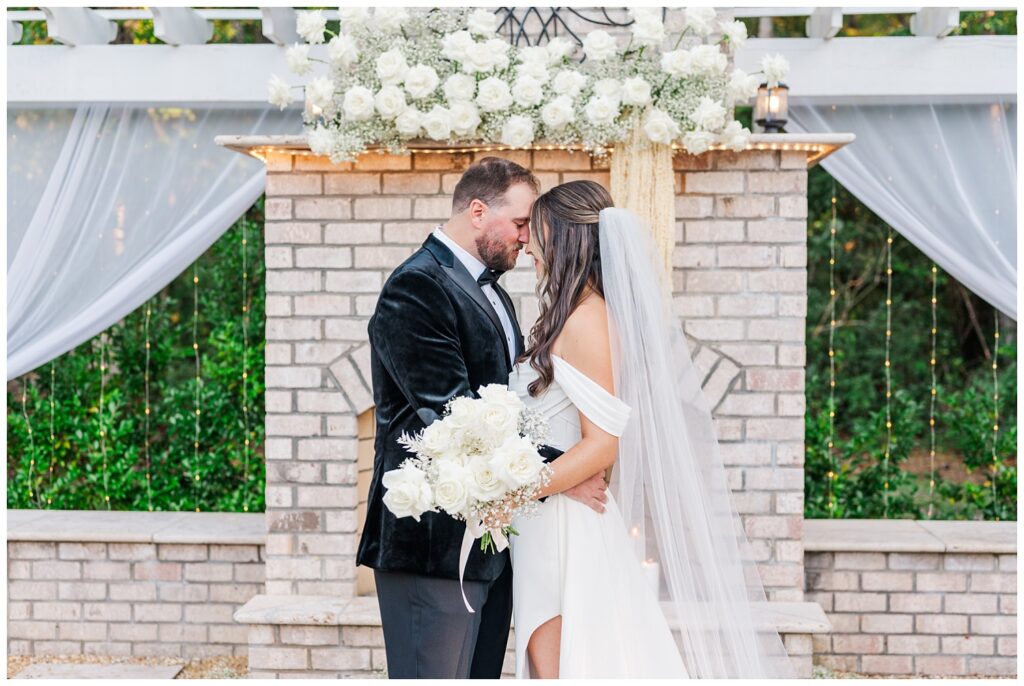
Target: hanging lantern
(772, 107)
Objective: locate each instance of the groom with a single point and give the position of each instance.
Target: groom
(444, 327)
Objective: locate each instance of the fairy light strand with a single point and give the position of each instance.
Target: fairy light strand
(888, 371)
(995, 409)
(103, 432)
(31, 438)
(53, 435)
(933, 395)
(245, 367)
(832, 356)
(198, 384)
(148, 413)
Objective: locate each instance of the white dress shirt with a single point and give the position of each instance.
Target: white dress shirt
(476, 268)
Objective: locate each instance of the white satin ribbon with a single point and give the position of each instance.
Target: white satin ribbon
(475, 530)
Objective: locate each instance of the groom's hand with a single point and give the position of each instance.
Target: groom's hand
(590, 492)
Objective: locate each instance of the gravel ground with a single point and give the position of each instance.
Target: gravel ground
(236, 667)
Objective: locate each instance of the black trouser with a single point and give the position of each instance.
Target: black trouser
(429, 633)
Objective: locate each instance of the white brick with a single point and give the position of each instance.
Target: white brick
(323, 208)
(353, 233)
(292, 232)
(714, 182)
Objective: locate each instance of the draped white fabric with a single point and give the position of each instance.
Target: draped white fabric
(107, 204)
(943, 175)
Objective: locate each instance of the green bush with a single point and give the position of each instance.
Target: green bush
(76, 470)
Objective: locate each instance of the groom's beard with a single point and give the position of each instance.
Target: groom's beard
(496, 255)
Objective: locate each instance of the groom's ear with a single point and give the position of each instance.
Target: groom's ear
(477, 210)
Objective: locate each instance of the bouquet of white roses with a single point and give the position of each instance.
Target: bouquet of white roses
(446, 74)
(479, 463)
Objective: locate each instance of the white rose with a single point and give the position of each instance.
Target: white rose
(647, 27)
(775, 68)
(390, 102)
(343, 50)
(533, 54)
(501, 395)
(465, 118)
(459, 87)
(559, 48)
(438, 123)
(736, 33)
(358, 104)
(452, 487)
(311, 25)
(517, 132)
(499, 417)
(320, 92)
(297, 57)
(421, 81)
(352, 16)
(493, 95)
(320, 140)
(660, 127)
(527, 91)
(676, 63)
(408, 493)
(455, 45)
(485, 484)
(558, 112)
(391, 67)
(699, 19)
(697, 142)
(438, 440)
(408, 122)
(279, 93)
(611, 88)
(708, 60)
(742, 86)
(568, 82)
(499, 49)
(516, 462)
(601, 110)
(535, 70)
(483, 23)
(709, 115)
(636, 91)
(462, 413)
(479, 58)
(599, 45)
(390, 19)
(734, 136)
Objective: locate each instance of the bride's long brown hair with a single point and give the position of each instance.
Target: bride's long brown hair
(571, 258)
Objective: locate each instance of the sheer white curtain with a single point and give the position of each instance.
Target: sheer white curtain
(943, 175)
(107, 204)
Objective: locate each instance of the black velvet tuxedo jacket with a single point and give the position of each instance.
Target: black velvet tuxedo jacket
(434, 335)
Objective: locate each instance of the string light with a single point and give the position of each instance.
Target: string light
(933, 398)
(31, 440)
(148, 413)
(995, 409)
(245, 366)
(53, 436)
(832, 356)
(199, 381)
(888, 371)
(103, 432)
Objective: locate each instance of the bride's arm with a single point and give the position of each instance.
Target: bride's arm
(584, 344)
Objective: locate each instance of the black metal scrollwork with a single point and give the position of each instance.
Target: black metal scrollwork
(512, 22)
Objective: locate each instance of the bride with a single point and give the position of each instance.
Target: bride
(661, 583)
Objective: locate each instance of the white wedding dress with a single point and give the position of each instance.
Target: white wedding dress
(571, 561)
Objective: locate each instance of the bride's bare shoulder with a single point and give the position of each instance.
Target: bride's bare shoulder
(584, 341)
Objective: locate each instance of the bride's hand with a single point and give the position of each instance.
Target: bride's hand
(590, 492)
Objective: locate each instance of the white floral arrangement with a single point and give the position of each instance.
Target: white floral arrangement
(479, 463)
(444, 74)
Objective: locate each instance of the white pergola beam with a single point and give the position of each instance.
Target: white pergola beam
(180, 26)
(279, 25)
(13, 32)
(78, 26)
(900, 69)
(824, 22)
(935, 22)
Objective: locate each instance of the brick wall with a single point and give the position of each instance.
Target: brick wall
(335, 232)
(142, 599)
(916, 613)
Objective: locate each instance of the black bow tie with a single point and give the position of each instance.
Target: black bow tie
(488, 276)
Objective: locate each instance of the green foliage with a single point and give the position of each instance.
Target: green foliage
(86, 469)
